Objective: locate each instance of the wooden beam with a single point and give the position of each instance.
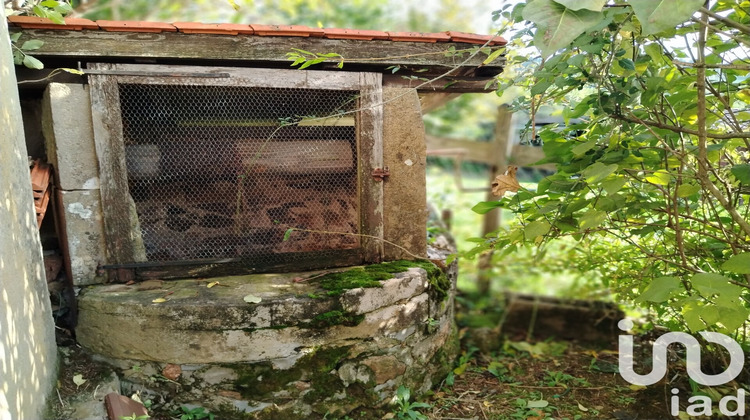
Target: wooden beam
(447, 84)
(371, 157)
(432, 101)
(262, 51)
(475, 151)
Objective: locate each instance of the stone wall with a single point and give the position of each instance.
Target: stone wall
(303, 350)
(27, 341)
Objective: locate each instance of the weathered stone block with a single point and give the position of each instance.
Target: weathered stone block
(85, 233)
(69, 136)
(404, 153)
(385, 368)
(360, 301)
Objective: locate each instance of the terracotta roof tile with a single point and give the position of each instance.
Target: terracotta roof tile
(33, 22)
(286, 30)
(367, 35)
(213, 28)
(418, 36)
(475, 38)
(135, 26)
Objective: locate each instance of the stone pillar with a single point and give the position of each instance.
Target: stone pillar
(69, 138)
(405, 155)
(28, 356)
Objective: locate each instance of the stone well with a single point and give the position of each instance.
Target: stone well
(305, 349)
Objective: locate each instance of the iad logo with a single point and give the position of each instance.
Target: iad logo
(702, 404)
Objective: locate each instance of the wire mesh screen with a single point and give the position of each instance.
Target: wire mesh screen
(225, 171)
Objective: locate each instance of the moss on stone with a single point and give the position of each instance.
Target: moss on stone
(335, 317)
(372, 275)
(309, 367)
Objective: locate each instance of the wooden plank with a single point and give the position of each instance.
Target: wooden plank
(110, 151)
(266, 50)
(528, 156)
(194, 158)
(301, 261)
(449, 84)
(370, 140)
(474, 150)
(268, 78)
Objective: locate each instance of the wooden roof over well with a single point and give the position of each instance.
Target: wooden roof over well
(419, 56)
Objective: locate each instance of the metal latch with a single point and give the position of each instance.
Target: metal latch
(380, 174)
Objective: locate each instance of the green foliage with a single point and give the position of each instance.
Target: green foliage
(53, 10)
(651, 190)
(408, 410)
(197, 413)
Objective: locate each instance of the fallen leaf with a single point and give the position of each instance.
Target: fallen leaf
(159, 300)
(582, 408)
(78, 380)
(252, 299)
(172, 371)
(506, 182)
(212, 284)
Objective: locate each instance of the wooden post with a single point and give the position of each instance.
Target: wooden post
(492, 219)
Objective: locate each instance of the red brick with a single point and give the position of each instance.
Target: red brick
(119, 406)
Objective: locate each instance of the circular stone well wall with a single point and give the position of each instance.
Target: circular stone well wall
(304, 350)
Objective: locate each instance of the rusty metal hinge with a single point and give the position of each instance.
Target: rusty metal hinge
(380, 174)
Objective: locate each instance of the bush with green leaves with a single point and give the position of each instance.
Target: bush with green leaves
(653, 181)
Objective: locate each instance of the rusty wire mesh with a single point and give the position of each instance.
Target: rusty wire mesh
(224, 171)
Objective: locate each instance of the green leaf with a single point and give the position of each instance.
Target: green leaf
(626, 63)
(592, 219)
(595, 5)
(660, 289)
(558, 26)
(55, 17)
(739, 263)
(540, 87)
(14, 37)
(734, 317)
(661, 15)
(535, 229)
(710, 284)
(492, 57)
(691, 312)
(32, 44)
(741, 172)
(287, 234)
(49, 3)
(598, 171)
(485, 207)
(660, 177)
(686, 190)
(612, 186)
(72, 71)
(537, 404)
(403, 393)
(32, 63)
(584, 147)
